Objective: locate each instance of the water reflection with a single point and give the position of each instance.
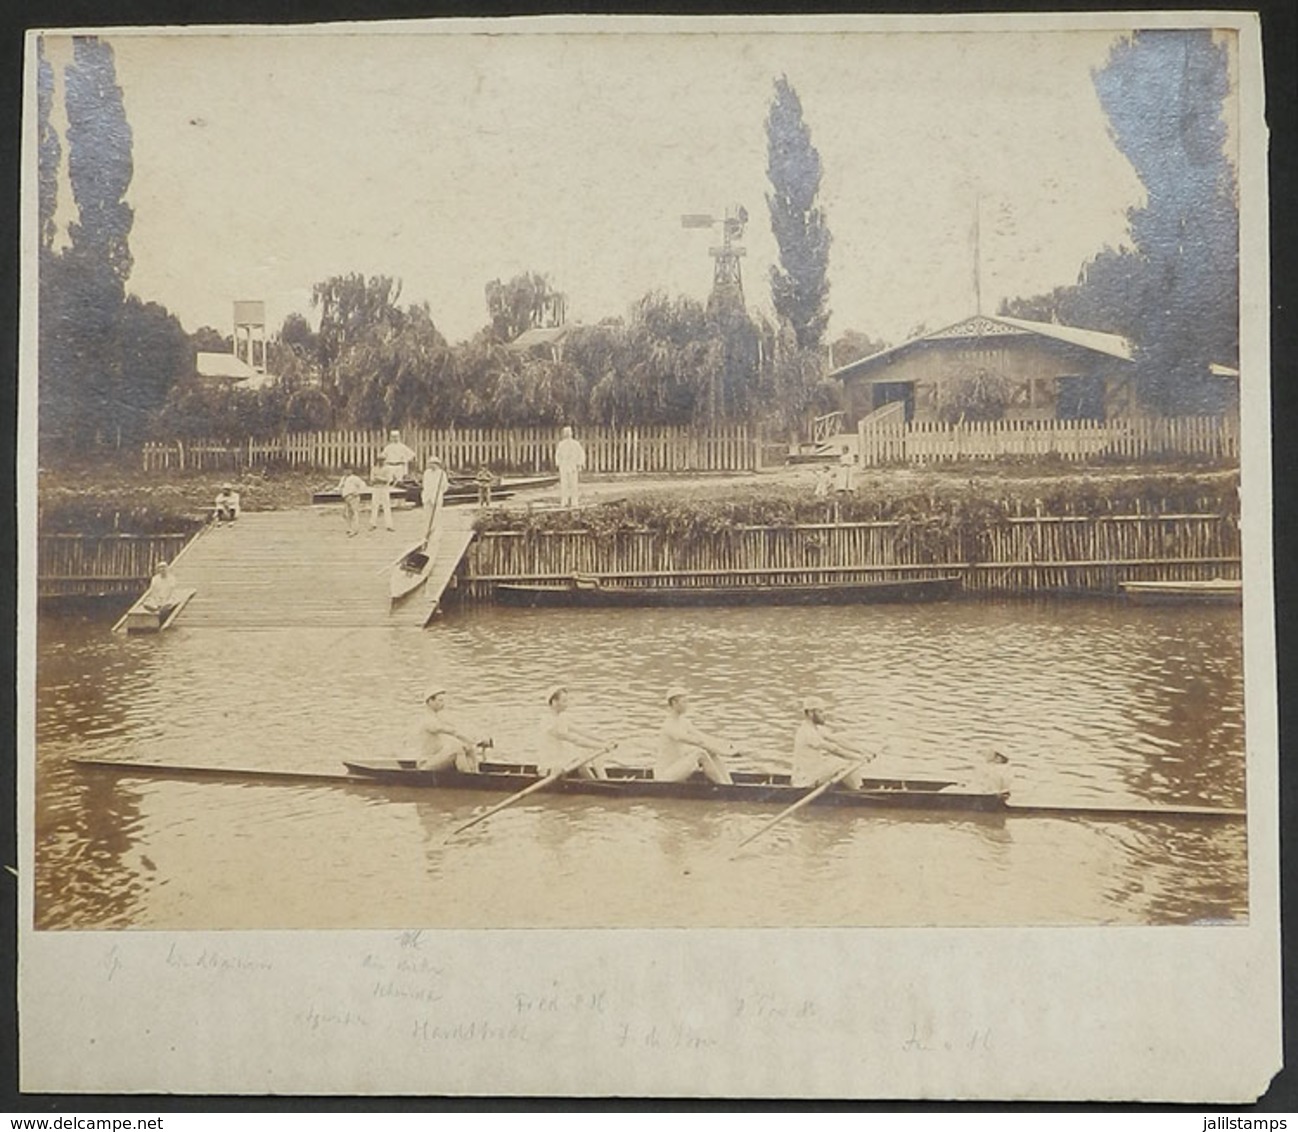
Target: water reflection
(1092, 703)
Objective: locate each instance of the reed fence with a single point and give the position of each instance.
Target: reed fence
(886, 437)
(523, 450)
(71, 565)
(1019, 555)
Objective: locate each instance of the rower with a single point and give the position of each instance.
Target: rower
(818, 753)
(558, 737)
(161, 594)
(443, 743)
(683, 749)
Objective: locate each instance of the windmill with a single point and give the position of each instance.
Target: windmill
(727, 278)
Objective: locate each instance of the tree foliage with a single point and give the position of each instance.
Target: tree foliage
(1175, 292)
(517, 305)
(800, 284)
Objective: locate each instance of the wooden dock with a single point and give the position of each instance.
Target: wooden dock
(282, 569)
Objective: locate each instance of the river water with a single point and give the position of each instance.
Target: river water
(1093, 702)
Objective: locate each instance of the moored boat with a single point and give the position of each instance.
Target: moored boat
(410, 573)
(140, 619)
(594, 592)
(1217, 591)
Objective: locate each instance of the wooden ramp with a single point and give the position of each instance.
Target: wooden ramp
(450, 540)
(278, 569)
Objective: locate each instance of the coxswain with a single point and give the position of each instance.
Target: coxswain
(558, 738)
(443, 743)
(161, 594)
(683, 749)
(818, 753)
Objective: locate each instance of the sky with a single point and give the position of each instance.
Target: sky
(265, 163)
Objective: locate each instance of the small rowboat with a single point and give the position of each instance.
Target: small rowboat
(592, 592)
(138, 619)
(1218, 591)
(757, 787)
(410, 573)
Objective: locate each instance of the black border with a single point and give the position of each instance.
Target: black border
(1280, 51)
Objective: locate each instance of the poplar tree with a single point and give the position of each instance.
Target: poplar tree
(799, 285)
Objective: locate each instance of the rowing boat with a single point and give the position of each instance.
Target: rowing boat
(594, 592)
(1218, 591)
(759, 787)
(410, 573)
(139, 619)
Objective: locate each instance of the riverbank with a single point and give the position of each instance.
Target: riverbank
(117, 496)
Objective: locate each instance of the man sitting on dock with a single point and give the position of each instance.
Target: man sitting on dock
(818, 753)
(443, 743)
(161, 594)
(227, 504)
(684, 749)
(558, 738)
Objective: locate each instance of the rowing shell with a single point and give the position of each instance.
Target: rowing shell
(635, 782)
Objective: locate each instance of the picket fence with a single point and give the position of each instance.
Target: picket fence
(886, 437)
(525, 450)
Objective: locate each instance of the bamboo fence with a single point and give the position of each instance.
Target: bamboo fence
(71, 565)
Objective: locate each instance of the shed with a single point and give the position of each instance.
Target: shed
(229, 369)
(1046, 371)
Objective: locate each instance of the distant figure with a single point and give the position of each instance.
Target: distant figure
(161, 594)
(227, 504)
(350, 488)
(396, 458)
(683, 748)
(484, 479)
(570, 457)
(819, 754)
(845, 473)
(823, 477)
(434, 485)
(558, 737)
(443, 743)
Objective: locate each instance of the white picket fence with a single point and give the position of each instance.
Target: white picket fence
(633, 450)
(886, 437)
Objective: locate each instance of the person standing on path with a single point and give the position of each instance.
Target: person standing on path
(570, 457)
(350, 488)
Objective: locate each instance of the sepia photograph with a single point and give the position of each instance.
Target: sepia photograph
(532, 476)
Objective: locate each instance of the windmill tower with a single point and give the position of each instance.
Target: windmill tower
(727, 274)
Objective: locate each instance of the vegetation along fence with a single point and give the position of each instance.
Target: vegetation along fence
(635, 450)
(1024, 554)
(886, 437)
(70, 565)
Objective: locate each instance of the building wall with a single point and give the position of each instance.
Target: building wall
(1031, 364)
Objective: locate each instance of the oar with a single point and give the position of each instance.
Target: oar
(540, 784)
(804, 800)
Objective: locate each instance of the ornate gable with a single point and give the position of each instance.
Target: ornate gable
(979, 326)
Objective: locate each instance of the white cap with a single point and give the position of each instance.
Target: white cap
(814, 703)
(674, 692)
(434, 690)
(554, 691)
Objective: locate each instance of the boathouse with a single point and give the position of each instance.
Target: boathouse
(1043, 371)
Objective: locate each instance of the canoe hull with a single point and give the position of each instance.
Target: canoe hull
(409, 574)
(1216, 592)
(837, 593)
(631, 782)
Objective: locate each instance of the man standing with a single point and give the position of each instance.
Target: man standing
(818, 753)
(558, 737)
(570, 456)
(394, 466)
(683, 748)
(443, 744)
(350, 488)
(434, 486)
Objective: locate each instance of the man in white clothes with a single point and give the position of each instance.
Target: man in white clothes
(557, 738)
(393, 467)
(570, 457)
(684, 749)
(818, 753)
